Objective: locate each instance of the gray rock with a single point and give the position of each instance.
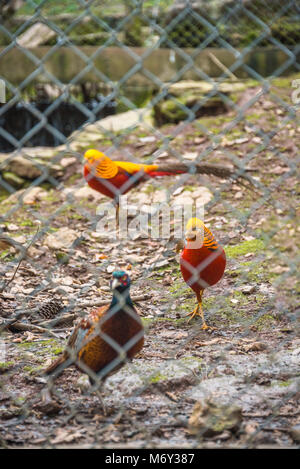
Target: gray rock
(210, 418)
(62, 238)
(36, 35)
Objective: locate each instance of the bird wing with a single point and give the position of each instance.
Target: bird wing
(133, 168)
(84, 327)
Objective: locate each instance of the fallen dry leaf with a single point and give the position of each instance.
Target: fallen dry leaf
(66, 436)
(255, 347)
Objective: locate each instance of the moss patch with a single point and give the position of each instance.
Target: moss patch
(4, 366)
(157, 378)
(266, 321)
(253, 245)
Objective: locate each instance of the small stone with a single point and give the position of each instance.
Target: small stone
(65, 162)
(12, 227)
(63, 290)
(135, 259)
(149, 139)
(62, 238)
(33, 194)
(184, 200)
(256, 140)
(199, 140)
(202, 196)
(162, 263)
(190, 155)
(160, 196)
(279, 269)
(247, 289)
(250, 428)
(223, 436)
(68, 281)
(85, 192)
(33, 252)
(178, 190)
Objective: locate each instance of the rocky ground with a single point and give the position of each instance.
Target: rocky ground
(235, 386)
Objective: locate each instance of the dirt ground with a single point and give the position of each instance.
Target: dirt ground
(249, 362)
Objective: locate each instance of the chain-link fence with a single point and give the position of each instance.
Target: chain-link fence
(119, 122)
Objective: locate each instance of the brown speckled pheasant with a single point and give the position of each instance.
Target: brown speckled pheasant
(104, 341)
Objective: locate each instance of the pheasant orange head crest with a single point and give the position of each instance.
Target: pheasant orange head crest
(101, 164)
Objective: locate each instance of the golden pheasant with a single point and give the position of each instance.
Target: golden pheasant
(104, 341)
(115, 178)
(202, 262)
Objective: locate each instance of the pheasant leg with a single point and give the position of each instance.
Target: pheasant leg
(98, 392)
(201, 314)
(194, 313)
(117, 216)
(198, 311)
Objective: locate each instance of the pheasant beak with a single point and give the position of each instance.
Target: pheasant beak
(115, 284)
(194, 238)
(191, 235)
(94, 155)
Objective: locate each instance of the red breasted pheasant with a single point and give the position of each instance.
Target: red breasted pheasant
(202, 262)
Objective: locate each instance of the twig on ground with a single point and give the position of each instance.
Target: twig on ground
(57, 321)
(21, 326)
(18, 247)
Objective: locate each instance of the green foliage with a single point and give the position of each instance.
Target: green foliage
(4, 366)
(266, 321)
(157, 378)
(245, 247)
(239, 30)
(62, 257)
(134, 33)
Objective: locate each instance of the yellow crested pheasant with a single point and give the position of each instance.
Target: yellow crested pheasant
(115, 178)
(104, 341)
(202, 262)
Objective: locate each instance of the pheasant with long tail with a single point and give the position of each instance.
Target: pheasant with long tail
(115, 178)
(104, 341)
(202, 262)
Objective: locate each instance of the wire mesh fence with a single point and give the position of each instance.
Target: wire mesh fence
(123, 126)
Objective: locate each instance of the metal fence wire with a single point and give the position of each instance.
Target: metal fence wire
(119, 122)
